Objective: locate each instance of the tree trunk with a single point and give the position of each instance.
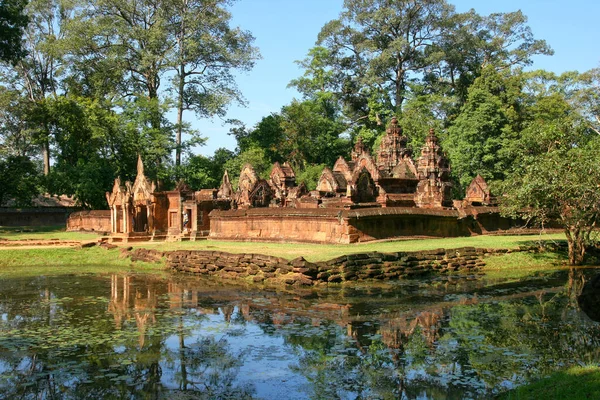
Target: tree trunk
(179, 116)
(46, 157)
(576, 243)
(399, 84)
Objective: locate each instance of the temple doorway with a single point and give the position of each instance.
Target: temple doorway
(141, 219)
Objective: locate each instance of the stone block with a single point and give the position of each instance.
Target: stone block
(390, 256)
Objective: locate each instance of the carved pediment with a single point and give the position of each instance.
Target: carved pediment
(248, 178)
(365, 162)
(332, 181)
(261, 194)
(226, 188)
(344, 167)
(478, 191)
(115, 197)
(364, 187)
(282, 177)
(405, 170)
(142, 188)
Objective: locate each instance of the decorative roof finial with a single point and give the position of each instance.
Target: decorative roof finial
(393, 128)
(140, 165)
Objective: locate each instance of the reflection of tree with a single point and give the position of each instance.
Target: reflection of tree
(149, 338)
(65, 346)
(466, 349)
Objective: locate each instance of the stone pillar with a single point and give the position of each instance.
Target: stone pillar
(125, 218)
(113, 217)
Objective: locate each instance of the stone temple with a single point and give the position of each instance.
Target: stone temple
(365, 197)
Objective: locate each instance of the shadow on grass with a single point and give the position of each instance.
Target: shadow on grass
(32, 229)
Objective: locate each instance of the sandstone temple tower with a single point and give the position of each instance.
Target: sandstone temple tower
(435, 188)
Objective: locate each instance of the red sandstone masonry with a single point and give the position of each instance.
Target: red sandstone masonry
(89, 221)
(327, 225)
(351, 267)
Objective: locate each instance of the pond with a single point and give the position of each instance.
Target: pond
(181, 337)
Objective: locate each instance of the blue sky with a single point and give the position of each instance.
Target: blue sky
(286, 29)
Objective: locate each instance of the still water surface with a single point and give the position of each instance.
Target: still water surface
(180, 337)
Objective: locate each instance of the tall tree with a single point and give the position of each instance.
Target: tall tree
(37, 75)
(207, 51)
(132, 38)
(379, 53)
(382, 44)
(185, 48)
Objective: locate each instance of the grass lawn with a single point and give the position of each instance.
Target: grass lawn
(520, 265)
(30, 261)
(63, 261)
(323, 252)
(43, 233)
(573, 384)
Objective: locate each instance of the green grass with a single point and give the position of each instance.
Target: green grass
(44, 233)
(323, 252)
(573, 384)
(15, 261)
(61, 261)
(520, 265)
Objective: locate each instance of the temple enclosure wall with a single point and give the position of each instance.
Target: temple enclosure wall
(41, 216)
(89, 221)
(347, 268)
(350, 226)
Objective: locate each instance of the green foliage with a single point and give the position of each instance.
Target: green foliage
(312, 132)
(201, 172)
(487, 122)
(421, 113)
(12, 24)
(17, 124)
(379, 54)
(20, 180)
(575, 383)
(310, 175)
(254, 156)
(268, 134)
(560, 186)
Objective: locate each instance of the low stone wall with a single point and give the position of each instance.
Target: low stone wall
(280, 224)
(89, 221)
(40, 216)
(326, 225)
(347, 268)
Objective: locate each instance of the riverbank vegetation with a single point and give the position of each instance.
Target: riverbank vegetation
(576, 383)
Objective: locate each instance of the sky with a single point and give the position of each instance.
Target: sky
(285, 30)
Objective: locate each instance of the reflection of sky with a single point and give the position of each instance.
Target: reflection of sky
(266, 358)
(274, 337)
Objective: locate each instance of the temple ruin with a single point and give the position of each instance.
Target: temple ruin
(366, 197)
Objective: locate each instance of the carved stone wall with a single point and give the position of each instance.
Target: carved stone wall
(335, 225)
(89, 221)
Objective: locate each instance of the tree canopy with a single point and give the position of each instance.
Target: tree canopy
(12, 24)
